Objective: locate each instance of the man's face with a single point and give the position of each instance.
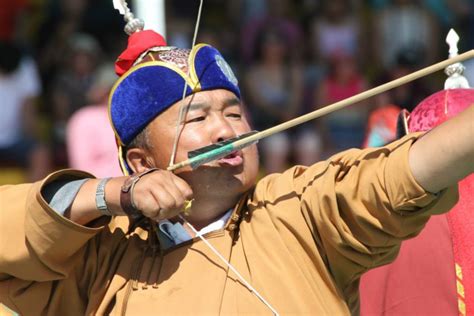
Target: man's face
(210, 117)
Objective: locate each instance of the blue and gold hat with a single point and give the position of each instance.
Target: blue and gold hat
(156, 80)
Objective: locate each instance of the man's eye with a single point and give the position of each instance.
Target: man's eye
(196, 119)
(234, 115)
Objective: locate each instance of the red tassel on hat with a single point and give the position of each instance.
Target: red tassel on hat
(138, 43)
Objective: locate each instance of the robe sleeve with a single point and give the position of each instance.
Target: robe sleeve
(37, 243)
(38, 246)
(360, 205)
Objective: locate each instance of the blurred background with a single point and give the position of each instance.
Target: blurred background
(291, 57)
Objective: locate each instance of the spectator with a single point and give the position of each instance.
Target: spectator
(394, 27)
(445, 11)
(62, 20)
(274, 90)
(10, 14)
(337, 29)
(71, 85)
(89, 136)
(382, 126)
(345, 128)
(19, 87)
(277, 17)
(405, 96)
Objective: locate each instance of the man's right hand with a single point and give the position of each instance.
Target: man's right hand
(161, 195)
(158, 195)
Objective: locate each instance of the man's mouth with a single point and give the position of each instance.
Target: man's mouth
(232, 159)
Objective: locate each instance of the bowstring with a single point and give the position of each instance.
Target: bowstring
(182, 113)
(183, 107)
(231, 267)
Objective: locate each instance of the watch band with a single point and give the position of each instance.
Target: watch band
(126, 194)
(100, 201)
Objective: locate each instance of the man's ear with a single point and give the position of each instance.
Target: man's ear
(139, 160)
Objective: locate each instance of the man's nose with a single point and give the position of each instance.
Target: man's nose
(222, 129)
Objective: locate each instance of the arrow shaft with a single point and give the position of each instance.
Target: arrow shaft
(325, 110)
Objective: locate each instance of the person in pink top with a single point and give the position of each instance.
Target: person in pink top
(343, 129)
(89, 137)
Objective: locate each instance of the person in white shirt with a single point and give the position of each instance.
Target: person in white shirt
(19, 88)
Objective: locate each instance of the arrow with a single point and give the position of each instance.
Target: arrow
(219, 150)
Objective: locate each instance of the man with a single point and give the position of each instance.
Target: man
(301, 238)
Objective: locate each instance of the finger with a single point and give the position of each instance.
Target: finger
(166, 214)
(166, 197)
(182, 193)
(183, 187)
(145, 203)
(161, 195)
(172, 211)
(166, 177)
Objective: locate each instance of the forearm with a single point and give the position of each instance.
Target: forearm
(445, 155)
(84, 210)
(153, 193)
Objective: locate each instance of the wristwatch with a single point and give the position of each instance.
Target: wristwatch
(100, 201)
(126, 194)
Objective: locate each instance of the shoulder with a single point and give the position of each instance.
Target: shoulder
(291, 180)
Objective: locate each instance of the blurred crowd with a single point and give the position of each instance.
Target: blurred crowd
(291, 57)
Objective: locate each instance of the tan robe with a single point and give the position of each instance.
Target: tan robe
(301, 238)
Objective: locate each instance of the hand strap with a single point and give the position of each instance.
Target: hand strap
(126, 194)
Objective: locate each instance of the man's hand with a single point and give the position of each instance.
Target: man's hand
(161, 195)
(157, 195)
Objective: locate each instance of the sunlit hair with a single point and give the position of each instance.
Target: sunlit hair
(142, 140)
